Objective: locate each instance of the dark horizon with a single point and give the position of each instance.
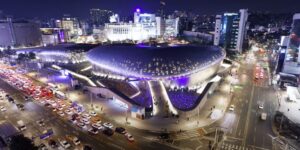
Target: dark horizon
(79, 8)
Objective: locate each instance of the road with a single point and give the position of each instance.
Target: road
(246, 129)
(62, 127)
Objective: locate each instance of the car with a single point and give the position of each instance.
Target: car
(231, 108)
(61, 113)
(41, 123)
(108, 132)
(97, 126)
(20, 107)
(75, 116)
(52, 143)
(87, 147)
(2, 108)
(263, 116)
(120, 130)
(64, 144)
(85, 115)
(59, 108)
(42, 147)
(54, 109)
(68, 111)
(129, 137)
(261, 75)
(93, 131)
(92, 113)
(260, 106)
(75, 140)
(108, 125)
(85, 120)
(48, 105)
(81, 125)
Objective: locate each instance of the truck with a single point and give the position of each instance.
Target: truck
(263, 116)
(21, 125)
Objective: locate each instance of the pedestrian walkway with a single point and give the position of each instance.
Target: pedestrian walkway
(230, 146)
(161, 101)
(188, 134)
(212, 110)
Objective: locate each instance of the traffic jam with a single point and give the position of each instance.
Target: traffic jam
(50, 98)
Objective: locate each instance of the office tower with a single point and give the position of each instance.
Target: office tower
(230, 30)
(161, 10)
(99, 17)
(292, 59)
(19, 33)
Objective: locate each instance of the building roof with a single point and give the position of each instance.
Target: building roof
(149, 61)
(7, 130)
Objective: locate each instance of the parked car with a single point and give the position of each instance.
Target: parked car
(120, 130)
(52, 143)
(108, 125)
(108, 132)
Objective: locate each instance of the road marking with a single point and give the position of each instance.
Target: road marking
(248, 116)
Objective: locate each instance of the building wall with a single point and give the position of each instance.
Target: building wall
(19, 34)
(27, 34)
(6, 38)
(292, 59)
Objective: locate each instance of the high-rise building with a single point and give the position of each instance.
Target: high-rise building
(161, 10)
(292, 59)
(217, 30)
(230, 30)
(99, 17)
(71, 25)
(1, 14)
(143, 27)
(19, 33)
(171, 27)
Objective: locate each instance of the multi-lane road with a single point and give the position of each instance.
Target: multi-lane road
(243, 126)
(61, 127)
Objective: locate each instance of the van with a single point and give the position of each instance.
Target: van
(263, 116)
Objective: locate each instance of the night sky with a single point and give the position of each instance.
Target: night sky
(80, 8)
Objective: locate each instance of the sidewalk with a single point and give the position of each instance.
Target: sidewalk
(212, 110)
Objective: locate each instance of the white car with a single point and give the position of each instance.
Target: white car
(76, 141)
(92, 113)
(64, 144)
(108, 125)
(61, 113)
(68, 111)
(261, 75)
(81, 125)
(231, 108)
(260, 106)
(85, 121)
(85, 115)
(97, 126)
(2, 108)
(129, 137)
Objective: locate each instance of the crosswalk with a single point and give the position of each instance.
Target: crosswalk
(189, 134)
(230, 146)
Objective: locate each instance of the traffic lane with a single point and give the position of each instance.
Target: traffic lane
(259, 129)
(244, 97)
(29, 119)
(139, 143)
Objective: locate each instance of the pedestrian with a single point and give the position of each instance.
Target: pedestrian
(288, 109)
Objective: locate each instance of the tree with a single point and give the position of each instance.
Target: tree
(20, 142)
(31, 55)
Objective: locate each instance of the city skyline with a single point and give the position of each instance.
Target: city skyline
(81, 9)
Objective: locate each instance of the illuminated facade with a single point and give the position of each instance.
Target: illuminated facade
(194, 64)
(292, 59)
(230, 30)
(143, 27)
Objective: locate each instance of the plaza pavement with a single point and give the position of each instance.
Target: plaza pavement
(213, 109)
